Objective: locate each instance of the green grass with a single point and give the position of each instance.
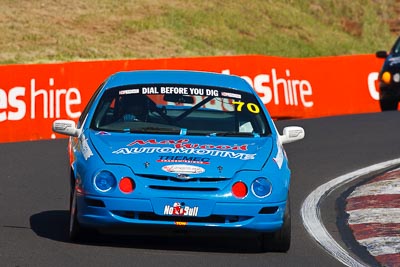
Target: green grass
(48, 31)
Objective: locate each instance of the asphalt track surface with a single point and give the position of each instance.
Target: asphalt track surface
(34, 204)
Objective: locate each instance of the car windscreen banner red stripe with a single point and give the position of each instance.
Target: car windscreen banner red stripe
(32, 96)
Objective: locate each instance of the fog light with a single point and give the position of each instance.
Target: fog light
(104, 181)
(261, 187)
(239, 189)
(127, 185)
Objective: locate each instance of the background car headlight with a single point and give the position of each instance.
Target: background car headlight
(104, 181)
(396, 77)
(261, 187)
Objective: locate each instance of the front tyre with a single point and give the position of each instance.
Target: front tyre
(388, 104)
(280, 240)
(75, 229)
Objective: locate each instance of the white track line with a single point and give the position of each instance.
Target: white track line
(310, 212)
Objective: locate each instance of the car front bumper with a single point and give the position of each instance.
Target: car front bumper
(179, 213)
(391, 92)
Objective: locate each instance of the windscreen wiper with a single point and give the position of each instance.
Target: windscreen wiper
(158, 130)
(238, 134)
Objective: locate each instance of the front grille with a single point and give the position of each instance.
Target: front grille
(149, 216)
(179, 180)
(192, 184)
(178, 188)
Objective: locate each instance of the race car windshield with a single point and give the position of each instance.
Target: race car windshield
(180, 109)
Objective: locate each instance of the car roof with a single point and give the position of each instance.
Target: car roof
(177, 77)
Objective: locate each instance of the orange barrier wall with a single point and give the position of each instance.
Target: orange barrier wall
(33, 96)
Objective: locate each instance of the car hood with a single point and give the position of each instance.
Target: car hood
(182, 155)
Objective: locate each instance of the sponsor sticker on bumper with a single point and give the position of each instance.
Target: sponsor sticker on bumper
(183, 207)
(179, 209)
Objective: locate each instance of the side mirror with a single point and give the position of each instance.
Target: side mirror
(381, 54)
(67, 127)
(291, 134)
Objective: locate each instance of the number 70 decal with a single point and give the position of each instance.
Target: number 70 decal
(253, 108)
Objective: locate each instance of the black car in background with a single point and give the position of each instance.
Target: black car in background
(389, 78)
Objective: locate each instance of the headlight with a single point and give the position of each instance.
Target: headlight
(261, 187)
(104, 181)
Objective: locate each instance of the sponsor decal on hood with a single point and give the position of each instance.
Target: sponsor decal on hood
(149, 155)
(85, 148)
(184, 146)
(183, 169)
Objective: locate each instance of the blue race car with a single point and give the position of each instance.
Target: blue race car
(168, 150)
